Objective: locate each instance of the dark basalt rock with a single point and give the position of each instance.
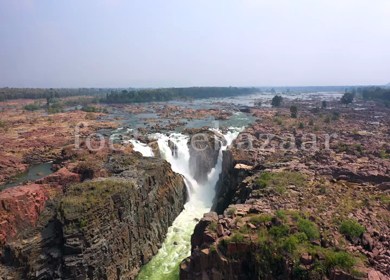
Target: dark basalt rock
(204, 147)
(348, 180)
(106, 228)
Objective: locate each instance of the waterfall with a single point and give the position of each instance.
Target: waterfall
(144, 149)
(177, 245)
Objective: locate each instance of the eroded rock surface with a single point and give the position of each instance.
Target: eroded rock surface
(204, 147)
(100, 229)
(285, 211)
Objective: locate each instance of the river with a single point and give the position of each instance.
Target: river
(177, 245)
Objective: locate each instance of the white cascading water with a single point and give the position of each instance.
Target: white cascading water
(177, 244)
(144, 149)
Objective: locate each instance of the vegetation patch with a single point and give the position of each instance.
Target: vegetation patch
(232, 211)
(275, 244)
(82, 197)
(279, 231)
(341, 260)
(278, 121)
(308, 228)
(90, 109)
(213, 226)
(261, 219)
(32, 107)
(351, 229)
(279, 180)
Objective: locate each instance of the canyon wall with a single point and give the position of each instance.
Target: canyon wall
(204, 146)
(106, 228)
(298, 213)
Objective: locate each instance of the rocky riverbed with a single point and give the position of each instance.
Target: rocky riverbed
(31, 138)
(285, 209)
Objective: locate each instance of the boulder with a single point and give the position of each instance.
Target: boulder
(63, 178)
(20, 209)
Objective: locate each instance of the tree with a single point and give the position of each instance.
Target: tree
(324, 104)
(347, 98)
(49, 96)
(276, 100)
(294, 111)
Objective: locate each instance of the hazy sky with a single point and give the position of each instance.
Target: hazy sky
(145, 43)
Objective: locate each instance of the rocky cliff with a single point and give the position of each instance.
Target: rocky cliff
(204, 147)
(106, 228)
(285, 211)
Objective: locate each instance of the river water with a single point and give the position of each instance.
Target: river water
(34, 173)
(177, 245)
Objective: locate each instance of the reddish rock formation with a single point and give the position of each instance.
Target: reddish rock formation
(63, 178)
(20, 209)
(103, 229)
(347, 182)
(32, 138)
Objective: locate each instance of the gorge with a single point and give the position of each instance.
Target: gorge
(176, 199)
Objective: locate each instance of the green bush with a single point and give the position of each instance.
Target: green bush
(351, 229)
(301, 237)
(383, 154)
(265, 175)
(213, 226)
(261, 184)
(31, 107)
(358, 148)
(90, 109)
(232, 211)
(290, 244)
(213, 249)
(262, 181)
(322, 189)
(281, 215)
(311, 122)
(278, 121)
(53, 110)
(261, 219)
(340, 260)
(308, 228)
(341, 147)
(301, 126)
(279, 231)
(223, 243)
(82, 223)
(238, 237)
(244, 230)
(327, 119)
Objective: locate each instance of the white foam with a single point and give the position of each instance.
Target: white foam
(165, 265)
